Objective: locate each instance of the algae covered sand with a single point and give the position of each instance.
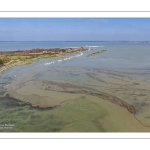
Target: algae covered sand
(83, 114)
(91, 101)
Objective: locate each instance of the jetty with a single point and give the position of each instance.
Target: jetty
(99, 52)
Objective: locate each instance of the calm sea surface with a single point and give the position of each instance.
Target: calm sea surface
(10, 46)
(122, 71)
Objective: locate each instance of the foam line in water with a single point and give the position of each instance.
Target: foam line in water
(65, 59)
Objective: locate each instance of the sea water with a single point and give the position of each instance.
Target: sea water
(122, 71)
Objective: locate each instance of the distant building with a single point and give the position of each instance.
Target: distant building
(45, 52)
(68, 50)
(60, 52)
(52, 52)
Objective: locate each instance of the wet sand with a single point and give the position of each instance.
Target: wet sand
(81, 114)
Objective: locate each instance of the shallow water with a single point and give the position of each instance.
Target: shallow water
(70, 95)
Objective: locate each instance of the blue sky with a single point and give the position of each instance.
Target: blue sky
(74, 29)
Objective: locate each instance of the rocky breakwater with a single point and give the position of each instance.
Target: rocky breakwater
(95, 53)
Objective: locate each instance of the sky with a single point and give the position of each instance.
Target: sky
(74, 29)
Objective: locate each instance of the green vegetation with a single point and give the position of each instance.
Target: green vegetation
(20, 57)
(23, 58)
(63, 50)
(4, 59)
(48, 56)
(1, 62)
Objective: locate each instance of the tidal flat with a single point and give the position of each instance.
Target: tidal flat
(95, 94)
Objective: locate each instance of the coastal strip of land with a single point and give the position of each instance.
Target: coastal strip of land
(8, 59)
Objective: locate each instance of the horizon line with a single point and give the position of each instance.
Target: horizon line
(82, 41)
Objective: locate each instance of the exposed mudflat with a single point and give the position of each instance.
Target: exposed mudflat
(77, 106)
